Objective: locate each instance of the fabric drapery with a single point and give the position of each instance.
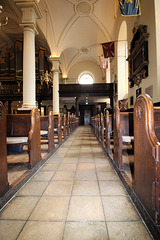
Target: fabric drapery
(129, 7)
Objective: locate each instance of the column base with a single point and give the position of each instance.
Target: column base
(55, 113)
(25, 109)
(30, 106)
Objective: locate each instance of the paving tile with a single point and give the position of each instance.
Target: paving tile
(59, 188)
(103, 166)
(42, 231)
(55, 159)
(86, 175)
(86, 160)
(51, 209)
(43, 176)
(85, 208)
(119, 209)
(33, 188)
(86, 166)
(111, 188)
(64, 176)
(67, 167)
(19, 208)
(70, 160)
(85, 231)
(9, 229)
(71, 155)
(85, 189)
(109, 175)
(50, 167)
(127, 230)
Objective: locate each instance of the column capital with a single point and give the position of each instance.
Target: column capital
(30, 13)
(55, 63)
(54, 59)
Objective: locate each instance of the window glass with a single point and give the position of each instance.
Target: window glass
(86, 79)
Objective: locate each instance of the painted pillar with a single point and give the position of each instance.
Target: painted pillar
(30, 13)
(55, 70)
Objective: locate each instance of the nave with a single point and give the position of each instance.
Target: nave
(75, 195)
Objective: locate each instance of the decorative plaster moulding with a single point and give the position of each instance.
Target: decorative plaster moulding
(29, 4)
(84, 50)
(83, 8)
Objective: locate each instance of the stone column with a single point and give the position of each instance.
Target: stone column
(55, 70)
(30, 13)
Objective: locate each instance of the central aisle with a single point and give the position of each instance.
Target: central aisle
(76, 195)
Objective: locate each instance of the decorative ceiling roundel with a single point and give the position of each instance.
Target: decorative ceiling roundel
(83, 8)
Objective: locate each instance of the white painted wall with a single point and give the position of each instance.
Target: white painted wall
(87, 66)
(147, 18)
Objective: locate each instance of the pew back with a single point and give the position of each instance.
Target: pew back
(18, 125)
(146, 157)
(3, 153)
(34, 139)
(123, 126)
(27, 125)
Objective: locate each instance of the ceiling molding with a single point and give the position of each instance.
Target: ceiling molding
(101, 26)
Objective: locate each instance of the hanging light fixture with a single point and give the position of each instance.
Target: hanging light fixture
(47, 78)
(4, 20)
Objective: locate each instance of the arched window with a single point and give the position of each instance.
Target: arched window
(86, 78)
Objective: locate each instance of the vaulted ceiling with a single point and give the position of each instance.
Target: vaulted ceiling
(73, 29)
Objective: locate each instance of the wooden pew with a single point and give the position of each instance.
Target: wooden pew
(68, 124)
(108, 131)
(96, 125)
(4, 185)
(47, 124)
(64, 126)
(102, 129)
(34, 139)
(28, 126)
(123, 134)
(147, 156)
(58, 127)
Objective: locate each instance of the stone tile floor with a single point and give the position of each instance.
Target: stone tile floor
(76, 195)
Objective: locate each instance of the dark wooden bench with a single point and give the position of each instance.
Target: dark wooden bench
(47, 125)
(58, 127)
(96, 126)
(20, 126)
(108, 131)
(68, 129)
(123, 134)
(4, 185)
(147, 155)
(64, 127)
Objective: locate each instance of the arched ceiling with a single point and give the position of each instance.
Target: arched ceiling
(74, 29)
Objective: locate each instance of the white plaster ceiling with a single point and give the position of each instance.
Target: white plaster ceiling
(74, 29)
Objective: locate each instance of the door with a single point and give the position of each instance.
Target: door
(87, 116)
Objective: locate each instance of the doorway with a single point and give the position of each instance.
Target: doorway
(86, 112)
(87, 116)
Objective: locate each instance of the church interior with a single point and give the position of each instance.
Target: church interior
(79, 119)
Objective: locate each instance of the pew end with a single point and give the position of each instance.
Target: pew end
(147, 155)
(4, 185)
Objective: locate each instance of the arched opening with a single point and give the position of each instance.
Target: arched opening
(122, 54)
(86, 78)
